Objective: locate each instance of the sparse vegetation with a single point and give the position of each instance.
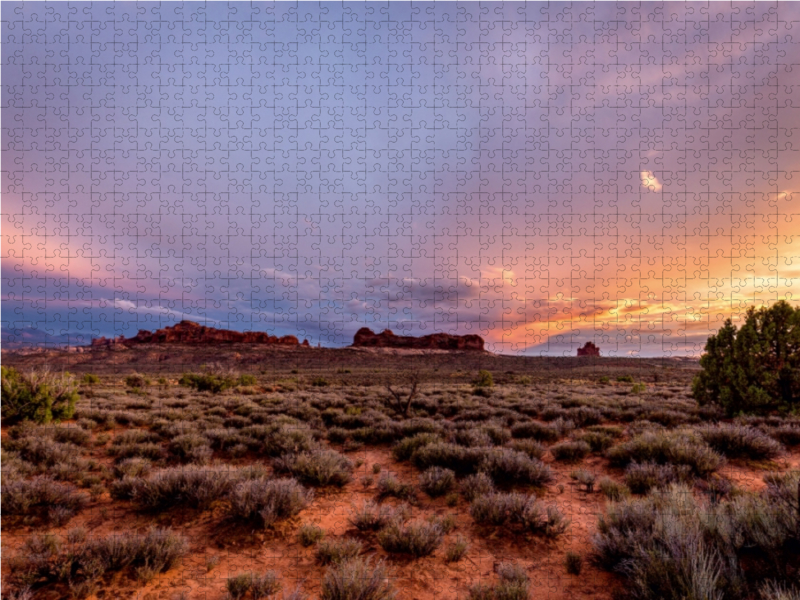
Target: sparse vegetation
(173, 452)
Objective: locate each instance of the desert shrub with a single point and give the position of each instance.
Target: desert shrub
(471, 438)
(309, 534)
(475, 485)
(238, 585)
(570, 451)
(518, 511)
(585, 478)
(597, 440)
(737, 441)
(437, 481)
(46, 558)
(459, 459)
(236, 422)
(338, 550)
(483, 379)
(574, 563)
(584, 415)
(137, 380)
(42, 452)
(190, 448)
(192, 487)
(40, 496)
(207, 382)
(530, 447)
(317, 467)
(625, 378)
(674, 447)
(405, 448)
(416, 539)
(756, 368)
(90, 379)
(535, 430)
(456, 551)
(356, 579)
(513, 585)
(772, 590)
(38, 396)
(370, 516)
(266, 502)
(258, 586)
(642, 477)
(506, 466)
(71, 435)
(670, 546)
(786, 434)
(319, 382)
(133, 467)
(135, 436)
(390, 486)
(148, 450)
(279, 439)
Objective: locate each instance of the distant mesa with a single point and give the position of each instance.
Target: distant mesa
(366, 338)
(189, 332)
(589, 349)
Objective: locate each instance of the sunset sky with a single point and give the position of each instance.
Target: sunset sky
(539, 174)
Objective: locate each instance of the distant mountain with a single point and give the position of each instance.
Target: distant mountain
(24, 337)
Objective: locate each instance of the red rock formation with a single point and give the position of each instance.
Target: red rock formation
(103, 342)
(589, 349)
(189, 332)
(366, 338)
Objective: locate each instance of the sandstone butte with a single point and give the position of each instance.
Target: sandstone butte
(589, 349)
(189, 332)
(366, 338)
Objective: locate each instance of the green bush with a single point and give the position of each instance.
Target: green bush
(37, 396)
(90, 379)
(755, 369)
(207, 382)
(484, 379)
